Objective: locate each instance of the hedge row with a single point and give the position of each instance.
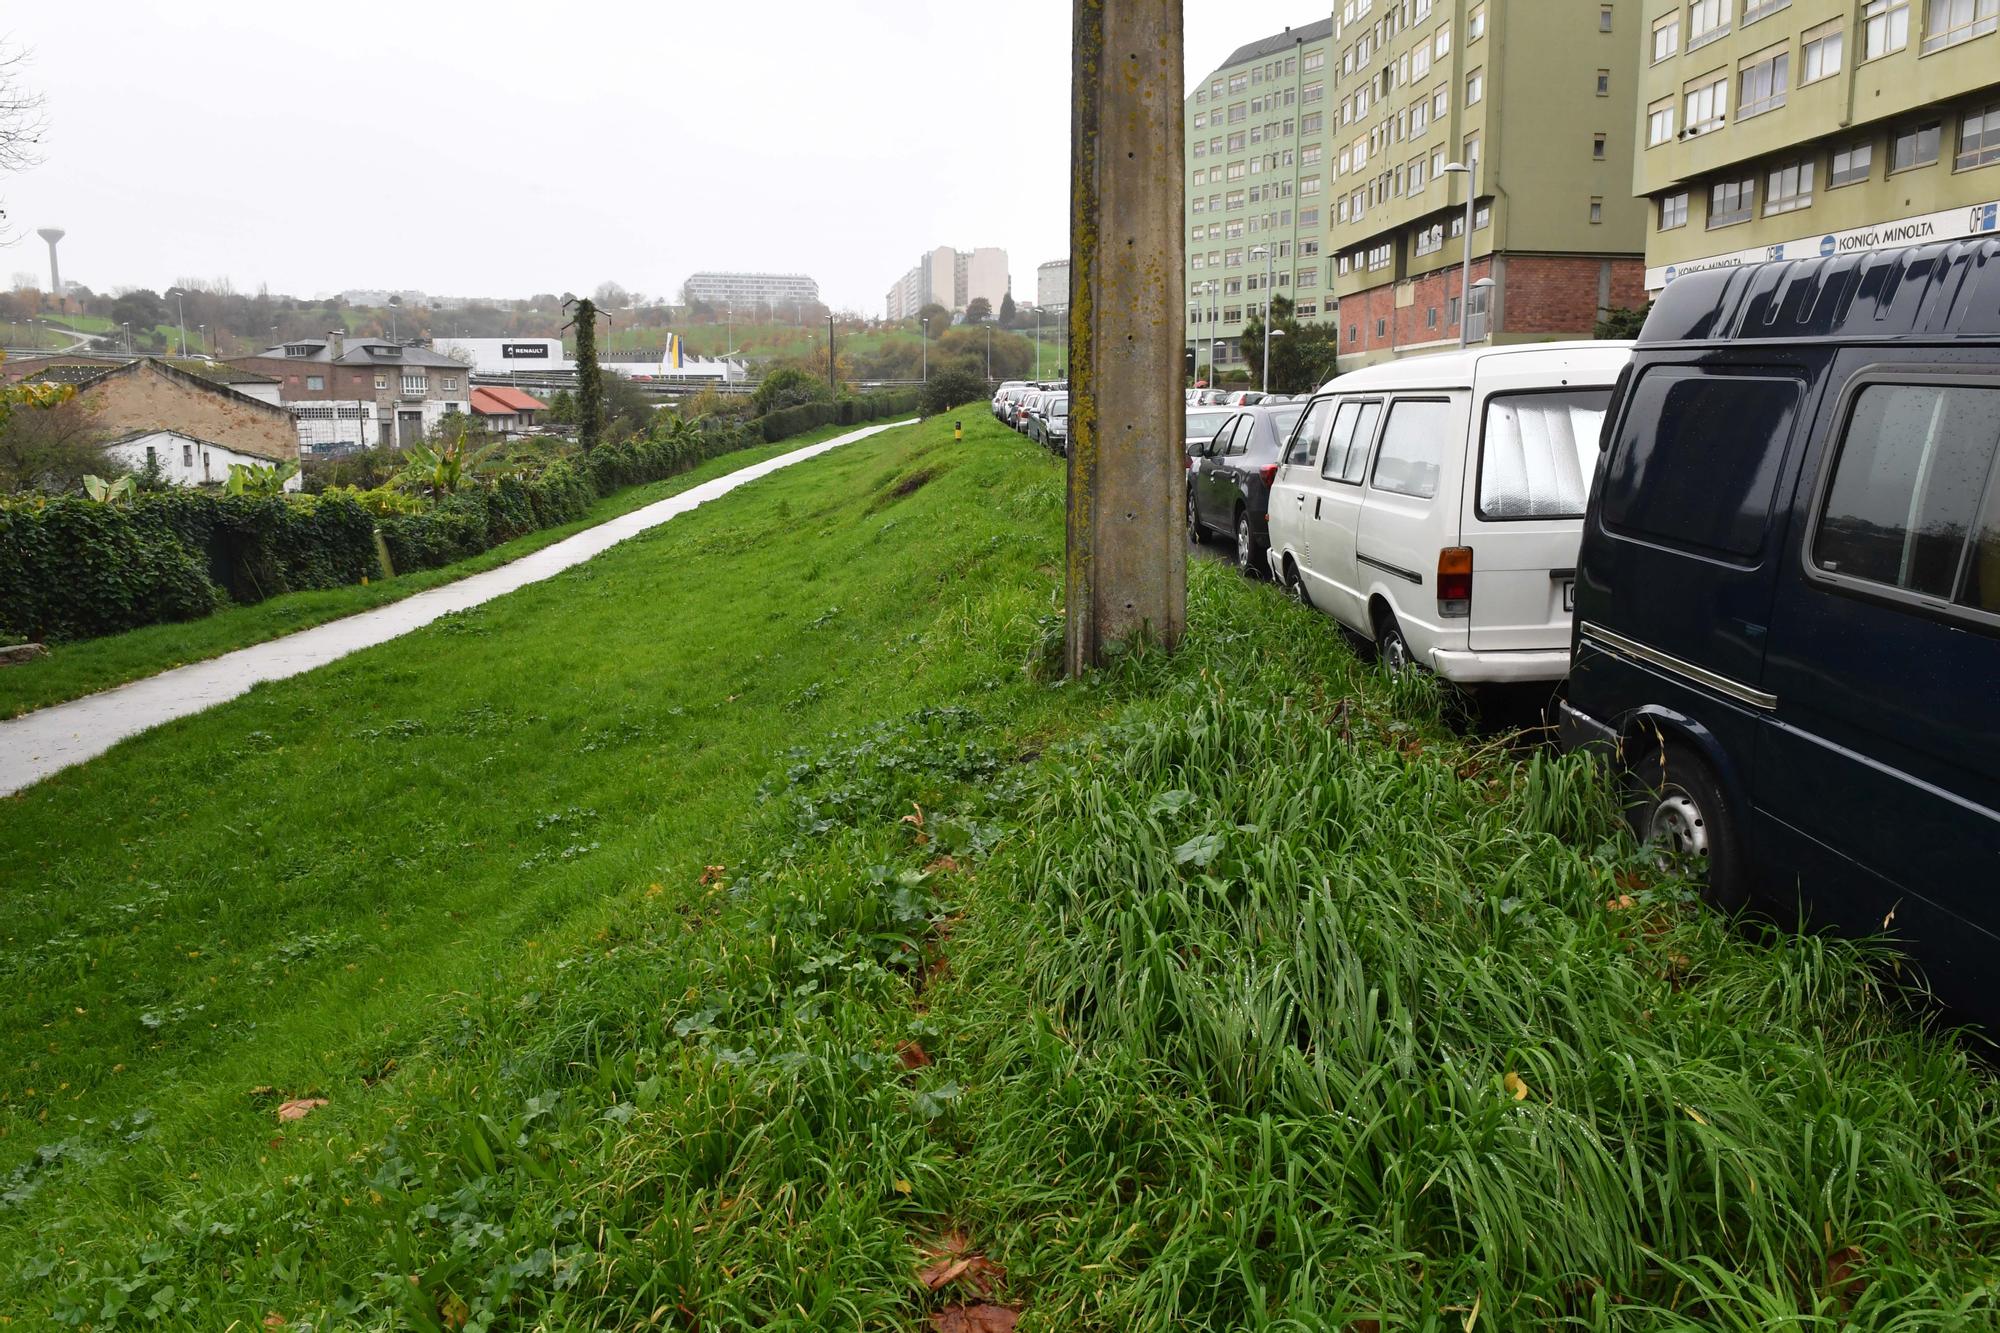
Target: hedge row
(71, 568)
(789, 421)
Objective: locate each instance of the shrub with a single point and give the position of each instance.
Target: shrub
(73, 568)
(954, 386)
(789, 387)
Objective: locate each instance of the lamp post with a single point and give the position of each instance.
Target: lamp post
(128, 337)
(1465, 169)
(1038, 343)
(180, 310)
(927, 349)
(989, 353)
(1266, 251)
(203, 330)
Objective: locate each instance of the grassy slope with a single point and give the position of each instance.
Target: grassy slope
(602, 915)
(72, 670)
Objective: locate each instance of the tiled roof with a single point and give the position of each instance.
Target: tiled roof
(499, 400)
(223, 373)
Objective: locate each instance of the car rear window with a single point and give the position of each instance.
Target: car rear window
(1536, 453)
(1914, 504)
(1697, 459)
(1412, 446)
(1202, 424)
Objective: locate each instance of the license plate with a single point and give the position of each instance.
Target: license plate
(1569, 594)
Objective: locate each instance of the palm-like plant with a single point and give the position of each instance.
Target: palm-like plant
(440, 472)
(110, 492)
(259, 481)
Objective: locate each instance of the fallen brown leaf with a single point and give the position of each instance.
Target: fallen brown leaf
(943, 865)
(917, 818)
(1624, 902)
(1517, 1087)
(912, 1055)
(453, 1312)
(274, 1320)
(710, 875)
(976, 1319)
(978, 1274)
(299, 1108)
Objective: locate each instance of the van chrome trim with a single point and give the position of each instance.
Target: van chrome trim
(1619, 645)
(1388, 568)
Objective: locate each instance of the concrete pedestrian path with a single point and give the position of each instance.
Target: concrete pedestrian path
(51, 739)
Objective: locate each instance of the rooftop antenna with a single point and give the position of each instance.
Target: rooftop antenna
(52, 235)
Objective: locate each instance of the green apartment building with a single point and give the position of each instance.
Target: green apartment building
(1256, 189)
(1781, 129)
(1537, 97)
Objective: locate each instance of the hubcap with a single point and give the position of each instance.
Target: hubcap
(1243, 543)
(1679, 827)
(1395, 652)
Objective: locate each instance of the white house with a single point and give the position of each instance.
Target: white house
(187, 460)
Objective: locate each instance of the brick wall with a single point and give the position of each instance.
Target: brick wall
(148, 397)
(340, 383)
(1536, 296)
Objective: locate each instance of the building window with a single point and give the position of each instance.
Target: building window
(187, 455)
(1431, 318)
(1596, 211)
(1441, 44)
(1674, 211)
(1757, 9)
(1707, 20)
(1851, 164)
(1789, 188)
(1309, 185)
(1820, 50)
(1763, 81)
(1978, 138)
(1949, 22)
(382, 381)
(1475, 23)
(1604, 18)
(1885, 26)
(1659, 122)
(1730, 202)
(1475, 86)
(1667, 37)
(1597, 147)
(415, 383)
(315, 381)
(1381, 327)
(1914, 146)
(1707, 104)
(1604, 83)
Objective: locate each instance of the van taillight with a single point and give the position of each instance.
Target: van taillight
(1455, 581)
(1269, 472)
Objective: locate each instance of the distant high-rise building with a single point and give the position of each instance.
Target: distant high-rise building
(751, 289)
(950, 278)
(1052, 283)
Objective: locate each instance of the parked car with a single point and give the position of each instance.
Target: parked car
(1202, 424)
(1030, 404)
(1051, 428)
(1243, 398)
(1433, 505)
(1788, 595)
(1001, 396)
(1229, 481)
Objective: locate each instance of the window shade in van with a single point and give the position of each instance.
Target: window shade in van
(1697, 457)
(1537, 452)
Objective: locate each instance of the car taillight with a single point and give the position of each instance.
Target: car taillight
(1269, 472)
(1455, 581)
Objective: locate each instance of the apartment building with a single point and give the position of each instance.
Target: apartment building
(347, 394)
(950, 278)
(1532, 101)
(751, 290)
(1257, 162)
(1777, 129)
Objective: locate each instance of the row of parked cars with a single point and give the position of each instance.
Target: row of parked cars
(1039, 411)
(1759, 549)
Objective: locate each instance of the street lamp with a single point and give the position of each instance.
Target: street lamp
(989, 353)
(203, 330)
(1465, 269)
(927, 349)
(1038, 343)
(1482, 286)
(128, 337)
(1265, 250)
(180, 309)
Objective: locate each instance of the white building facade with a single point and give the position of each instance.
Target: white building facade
(187, 460)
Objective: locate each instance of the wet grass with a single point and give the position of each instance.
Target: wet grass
(72, 670)
(705, 936)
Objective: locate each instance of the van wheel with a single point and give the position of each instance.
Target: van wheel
(1678, 807)
(1246, 548)
(1194, 523)
(1392, 647)
(1295, 585)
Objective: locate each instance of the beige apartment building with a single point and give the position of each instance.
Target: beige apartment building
(1537, 98)
(1257, 163)
(1782, 129)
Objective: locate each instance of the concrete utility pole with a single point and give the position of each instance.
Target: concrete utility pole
(1126, 572)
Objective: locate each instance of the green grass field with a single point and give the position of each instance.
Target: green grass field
(72, 670)
(717, 934)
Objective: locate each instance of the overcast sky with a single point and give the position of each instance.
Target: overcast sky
(502, 148)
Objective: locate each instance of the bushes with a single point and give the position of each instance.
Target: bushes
(72, 568)
(954, 386)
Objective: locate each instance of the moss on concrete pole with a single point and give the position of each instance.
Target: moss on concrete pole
(1126, 574)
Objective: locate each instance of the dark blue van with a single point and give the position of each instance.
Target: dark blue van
(1788, 595)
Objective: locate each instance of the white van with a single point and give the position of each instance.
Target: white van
(1435, 504)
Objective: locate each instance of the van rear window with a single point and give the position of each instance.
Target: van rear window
(1915, 503)
(1412, 447)
(1697, 458)
(1537, 453)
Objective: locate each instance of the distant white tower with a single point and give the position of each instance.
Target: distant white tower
(52, 235)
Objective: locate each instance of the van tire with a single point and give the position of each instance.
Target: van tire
(1678, 803)
(1193, 522)
(1391, 648)
(1295, 584)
